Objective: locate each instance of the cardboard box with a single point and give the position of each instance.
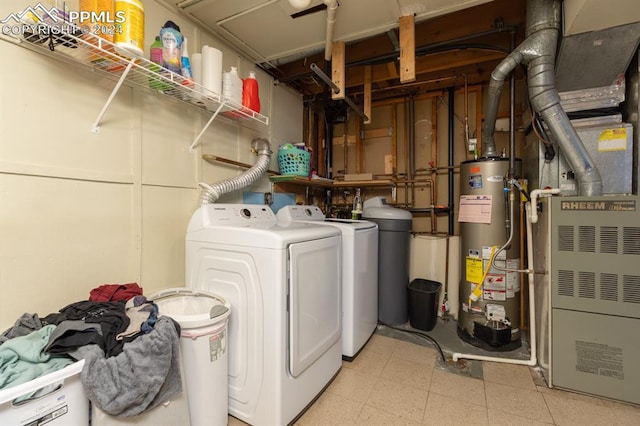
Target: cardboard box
(66, 405)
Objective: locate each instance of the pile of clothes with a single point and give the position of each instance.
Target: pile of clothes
(131, 354)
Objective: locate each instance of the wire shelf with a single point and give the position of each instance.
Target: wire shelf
(71, 43)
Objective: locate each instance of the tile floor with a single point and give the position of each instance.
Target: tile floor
(397, 382)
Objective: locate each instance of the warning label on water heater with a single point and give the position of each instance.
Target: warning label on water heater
(495, 287)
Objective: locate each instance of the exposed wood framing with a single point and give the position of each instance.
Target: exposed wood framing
(383, 132)
(338, 75)
(394, 137)
(407, 49)
(367, 93)
(359, 147)
(434, 148)
(469, 28)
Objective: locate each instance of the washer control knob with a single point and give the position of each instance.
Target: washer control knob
(246, 213)
(307, 212)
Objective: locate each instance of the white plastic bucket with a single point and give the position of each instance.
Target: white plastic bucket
(203, 319)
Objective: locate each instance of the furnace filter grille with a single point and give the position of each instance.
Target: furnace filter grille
(631, 289)
(565, 283)
(609, 239)
(609, 287)
(582, 283)
(565, 238)
(587, 239)
(631, 240)
(587, 285)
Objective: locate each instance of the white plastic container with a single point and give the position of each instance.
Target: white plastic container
(66, 405)
(232, 87)
(130, 38)
(203, 317)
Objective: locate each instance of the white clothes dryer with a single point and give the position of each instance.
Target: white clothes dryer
(283, 284)
(359, 273)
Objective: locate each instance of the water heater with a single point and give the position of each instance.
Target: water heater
(489, 213)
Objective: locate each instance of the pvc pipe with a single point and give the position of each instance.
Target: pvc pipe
(534, 200)
(533, 359)
(332, 6)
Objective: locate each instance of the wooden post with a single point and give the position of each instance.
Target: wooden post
(338, 69)
(367, 93)
(359, 147)
(407, 49)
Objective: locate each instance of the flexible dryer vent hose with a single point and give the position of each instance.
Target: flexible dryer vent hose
(211, 193)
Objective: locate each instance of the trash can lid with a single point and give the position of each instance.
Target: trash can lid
(191, 308)
(377, 208)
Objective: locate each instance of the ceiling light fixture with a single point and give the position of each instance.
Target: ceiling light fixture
(300, 4)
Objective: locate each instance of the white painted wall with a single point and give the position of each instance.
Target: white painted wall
(80, 209)
(428, 257)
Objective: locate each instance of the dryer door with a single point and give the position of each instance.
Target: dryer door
(314, 300)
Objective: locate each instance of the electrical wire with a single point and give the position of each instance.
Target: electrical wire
(536, 125)
(419, 333)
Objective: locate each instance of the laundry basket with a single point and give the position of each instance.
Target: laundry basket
(294, 161)
(203, 317)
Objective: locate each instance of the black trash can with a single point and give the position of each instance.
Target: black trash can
(423, 303)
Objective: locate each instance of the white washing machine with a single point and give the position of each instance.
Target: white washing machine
(359, 273)
(283, 284)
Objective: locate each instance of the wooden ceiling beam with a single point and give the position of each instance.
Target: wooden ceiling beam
(407, 49)
(443, 62)
(464, 23)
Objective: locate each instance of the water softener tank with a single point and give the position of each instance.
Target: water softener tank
(394, 230)
(489, 315)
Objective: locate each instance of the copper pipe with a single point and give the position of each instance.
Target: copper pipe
(523, 324)
(434, 155)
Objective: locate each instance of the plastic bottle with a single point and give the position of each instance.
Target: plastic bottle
(356, 213)
(129, 39)
(155, 51)
(251, 93)
(155, 56)
(232, 86)
(171, 44)
(185, 63)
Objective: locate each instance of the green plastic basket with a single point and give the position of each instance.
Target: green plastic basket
(294, 162)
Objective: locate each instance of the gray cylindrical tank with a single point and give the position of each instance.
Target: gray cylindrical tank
(484, 181)
(394, 230)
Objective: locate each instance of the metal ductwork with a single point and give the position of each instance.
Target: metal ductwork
(262, 149)
(538, 53)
